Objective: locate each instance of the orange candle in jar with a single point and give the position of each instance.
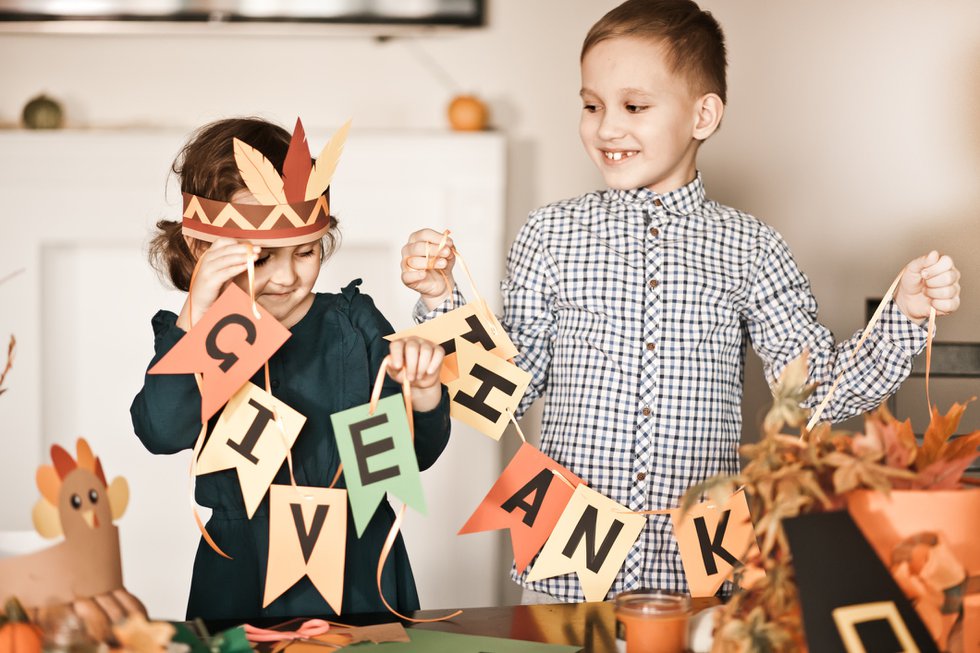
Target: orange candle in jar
(652, 621)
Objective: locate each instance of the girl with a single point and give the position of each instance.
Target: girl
(327, 365)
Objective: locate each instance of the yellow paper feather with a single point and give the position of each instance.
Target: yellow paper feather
(326, 163)
(118, 496)
(47, 520)
(259, 175)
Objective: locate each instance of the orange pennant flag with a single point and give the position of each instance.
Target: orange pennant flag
(227, 346)
(307, 537)
(529, 499)
(713, 540)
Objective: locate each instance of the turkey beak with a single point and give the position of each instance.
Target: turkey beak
(90, 518)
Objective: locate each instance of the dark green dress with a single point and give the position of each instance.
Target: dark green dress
(328, 365)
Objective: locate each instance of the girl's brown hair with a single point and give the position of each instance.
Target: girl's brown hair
(206, 167)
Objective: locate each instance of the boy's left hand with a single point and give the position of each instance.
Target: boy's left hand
(419, 361)
(929, 281)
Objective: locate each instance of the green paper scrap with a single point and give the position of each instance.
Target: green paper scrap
(184, 635)
(436, 641)
(232, 640)
(378, 457)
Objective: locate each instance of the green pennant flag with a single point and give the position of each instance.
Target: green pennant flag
(378, 457)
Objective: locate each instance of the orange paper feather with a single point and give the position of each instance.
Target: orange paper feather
(49, 483)
(326, 163)
(298, 165)
(259, 175)
(86, 459)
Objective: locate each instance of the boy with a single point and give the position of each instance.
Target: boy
(631, 306)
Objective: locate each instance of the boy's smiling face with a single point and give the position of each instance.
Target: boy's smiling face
(641, 123)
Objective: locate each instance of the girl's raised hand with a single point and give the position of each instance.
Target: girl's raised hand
(419, 361)
(430, 283)
(224, 260)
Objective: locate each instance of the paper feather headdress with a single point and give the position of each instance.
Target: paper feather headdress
(293, 208)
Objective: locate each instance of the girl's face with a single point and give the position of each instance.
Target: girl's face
(284, 276)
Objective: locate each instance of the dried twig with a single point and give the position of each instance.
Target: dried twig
(10, 362)
(10, 276)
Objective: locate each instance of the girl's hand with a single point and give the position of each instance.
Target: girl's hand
(224, 260)
(929, 281)
(428, 282)
(419, 361)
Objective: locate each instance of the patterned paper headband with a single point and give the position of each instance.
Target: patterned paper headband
(292, 209)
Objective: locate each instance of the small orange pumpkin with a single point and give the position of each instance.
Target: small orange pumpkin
(18, 634)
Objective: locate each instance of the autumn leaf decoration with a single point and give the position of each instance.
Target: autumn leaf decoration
(786, 475)
(302, 180)
(942, 459)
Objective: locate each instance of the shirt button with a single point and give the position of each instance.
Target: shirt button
(651, 346)
(275, 383)
(641, 476)
(646, 411)
(657, 202)
(654, 283)
(654, 232)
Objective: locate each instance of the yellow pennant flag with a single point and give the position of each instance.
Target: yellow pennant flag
(474, 323)
(307, 537)
(592, 538)
(248, 439)
(713, 541)
(487, 391)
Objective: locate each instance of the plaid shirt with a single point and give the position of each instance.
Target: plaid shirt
(631, 310)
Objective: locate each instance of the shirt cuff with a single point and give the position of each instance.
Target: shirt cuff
(422, 314)
(901, 331)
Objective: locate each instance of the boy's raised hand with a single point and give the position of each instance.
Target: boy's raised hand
(428, 281)
(419, 361)
(224, 260)
(929, 281)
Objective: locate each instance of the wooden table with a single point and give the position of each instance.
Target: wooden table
(589, 625)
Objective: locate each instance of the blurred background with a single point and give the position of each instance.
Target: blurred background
(852, 127)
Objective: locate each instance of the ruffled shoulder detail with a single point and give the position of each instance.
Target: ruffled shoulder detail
(350, 291)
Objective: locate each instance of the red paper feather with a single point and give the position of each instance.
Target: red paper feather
(298, 165)
(63, 462)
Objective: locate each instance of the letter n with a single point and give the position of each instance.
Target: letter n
(586, 527)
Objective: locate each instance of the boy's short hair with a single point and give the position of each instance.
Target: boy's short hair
(693, 38)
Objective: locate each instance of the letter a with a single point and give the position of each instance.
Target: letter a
(539, 486)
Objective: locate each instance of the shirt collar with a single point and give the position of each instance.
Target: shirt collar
(680, 201)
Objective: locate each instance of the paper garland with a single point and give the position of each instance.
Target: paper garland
(378, 456)
(528, 498)
(592, 539)
(307, 537)
(227, 346)
(249, 439)
(484, 385)
(550, 511)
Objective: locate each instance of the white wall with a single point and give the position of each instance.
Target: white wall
(852, 127)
